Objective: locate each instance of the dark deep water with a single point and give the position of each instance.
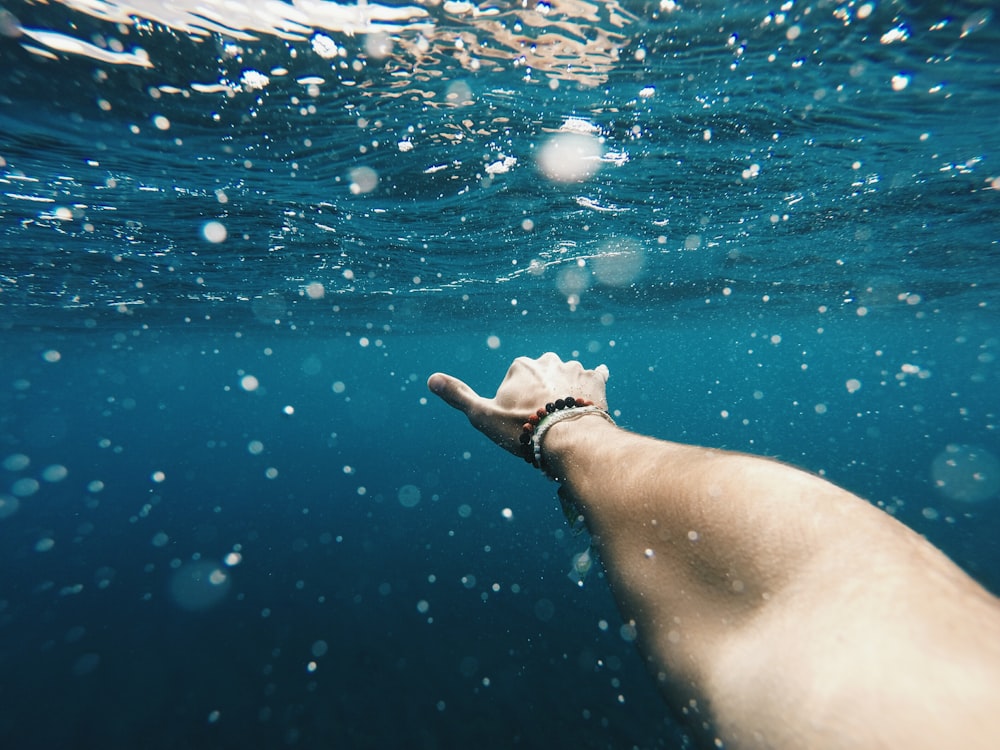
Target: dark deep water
(230, 512)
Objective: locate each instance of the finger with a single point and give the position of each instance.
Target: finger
(453, 391)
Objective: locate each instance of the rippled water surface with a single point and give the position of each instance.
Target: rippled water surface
(235, 238)
(252, 159)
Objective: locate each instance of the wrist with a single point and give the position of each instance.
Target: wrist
(566, 443)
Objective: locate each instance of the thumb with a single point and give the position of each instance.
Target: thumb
(453, 391)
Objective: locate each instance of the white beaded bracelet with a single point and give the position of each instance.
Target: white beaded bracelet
(560, 416)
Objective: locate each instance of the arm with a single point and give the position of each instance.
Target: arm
(775, 609)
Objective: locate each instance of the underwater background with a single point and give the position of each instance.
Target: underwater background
(235, 239)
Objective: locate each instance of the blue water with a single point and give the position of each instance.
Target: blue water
(230, 512)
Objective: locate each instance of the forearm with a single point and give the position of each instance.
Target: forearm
(731, 530)
(744, 576)
(758, 515)
(776, 609)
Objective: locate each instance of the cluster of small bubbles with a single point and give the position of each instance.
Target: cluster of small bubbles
(966, 472)
(571, 282)
(853, 385)
(908, 368)
(898, 33)
(254, 80)
(580, 566)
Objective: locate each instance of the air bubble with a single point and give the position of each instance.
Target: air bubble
(214, 231)
(967, 473)
(570, 157)
(409, 495)
(199, 586)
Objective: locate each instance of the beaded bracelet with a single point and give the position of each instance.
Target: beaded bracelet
(539, 423)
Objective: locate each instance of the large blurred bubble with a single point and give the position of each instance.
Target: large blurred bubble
(619, 263)
(967, 473)
(409, 495)
(570, 157)
(198, 586)
(363, 180)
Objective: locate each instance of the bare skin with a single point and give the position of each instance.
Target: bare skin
(775, 609)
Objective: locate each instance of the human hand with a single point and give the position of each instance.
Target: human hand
(528, 386)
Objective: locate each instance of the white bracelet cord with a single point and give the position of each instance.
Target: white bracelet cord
(559, 416)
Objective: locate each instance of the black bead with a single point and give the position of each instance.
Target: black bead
(525, 437)
(560, 404)
(550, 407)
(570, 402)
